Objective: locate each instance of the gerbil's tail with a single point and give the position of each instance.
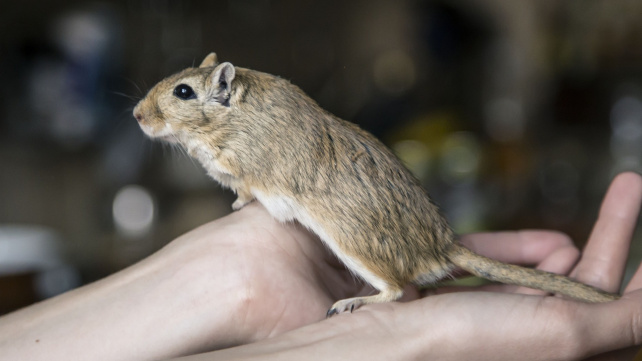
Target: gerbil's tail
(515, 275)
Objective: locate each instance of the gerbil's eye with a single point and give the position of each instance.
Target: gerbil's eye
(184, 92)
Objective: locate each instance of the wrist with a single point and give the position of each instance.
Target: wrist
(164, 300)
(204, 292)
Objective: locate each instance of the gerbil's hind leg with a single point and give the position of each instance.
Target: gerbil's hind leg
(243, 198)
(351, 304)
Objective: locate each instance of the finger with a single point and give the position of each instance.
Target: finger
(613, 325)
(523, 247)
(634, 323)
(604, 258)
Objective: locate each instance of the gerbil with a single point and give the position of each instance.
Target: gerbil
(265, 139)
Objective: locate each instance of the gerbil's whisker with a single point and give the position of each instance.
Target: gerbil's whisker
(124, 95)
(141, 93)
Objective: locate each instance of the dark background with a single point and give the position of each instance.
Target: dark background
(514, 114)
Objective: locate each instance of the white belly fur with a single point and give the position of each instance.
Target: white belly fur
(286, 209)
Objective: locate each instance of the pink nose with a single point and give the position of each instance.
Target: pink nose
(138, 116)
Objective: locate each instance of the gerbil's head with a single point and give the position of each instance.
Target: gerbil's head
(218, 108)
(179, 106)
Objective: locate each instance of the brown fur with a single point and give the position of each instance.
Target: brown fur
(263, 137)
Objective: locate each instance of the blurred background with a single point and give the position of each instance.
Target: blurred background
(514, 114)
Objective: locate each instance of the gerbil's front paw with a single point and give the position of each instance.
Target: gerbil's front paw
(240, 203)
(349, 304)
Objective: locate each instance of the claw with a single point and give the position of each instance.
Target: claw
(331, 312)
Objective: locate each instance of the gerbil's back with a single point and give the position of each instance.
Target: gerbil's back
(350, 182)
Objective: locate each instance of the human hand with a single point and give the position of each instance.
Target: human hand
(588, 329)
(508, 325)
(295, 278)
(602, 265)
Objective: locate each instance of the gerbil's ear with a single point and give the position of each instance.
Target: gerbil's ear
(210, 60)
(222, 83)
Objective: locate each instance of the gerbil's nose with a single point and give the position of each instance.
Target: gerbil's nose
(138, 115)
